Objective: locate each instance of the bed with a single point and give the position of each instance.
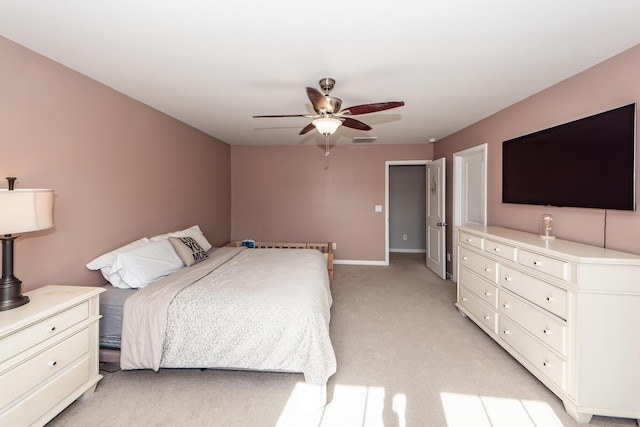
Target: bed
(265, 309)
(325, 248)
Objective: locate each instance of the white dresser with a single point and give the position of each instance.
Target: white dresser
(48, 353)
(568, 312)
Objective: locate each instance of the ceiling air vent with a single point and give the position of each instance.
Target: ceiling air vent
(364, 139)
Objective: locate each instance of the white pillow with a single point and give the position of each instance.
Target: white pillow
(145, 264)
(115, 279)
(105, 262)
(193, 231)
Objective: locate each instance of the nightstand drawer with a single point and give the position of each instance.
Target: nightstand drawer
(544, 327)
(33, 335)
(483, 289)
(541, 293)
(478, 264)
(29, 410)
(545, 361)
(24, 377)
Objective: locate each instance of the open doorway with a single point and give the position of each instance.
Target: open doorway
(405, 207)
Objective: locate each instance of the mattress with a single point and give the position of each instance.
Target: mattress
(111, 304)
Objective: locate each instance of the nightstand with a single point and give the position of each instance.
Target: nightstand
(48, 353)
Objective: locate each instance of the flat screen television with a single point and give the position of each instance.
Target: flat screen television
(587, 163)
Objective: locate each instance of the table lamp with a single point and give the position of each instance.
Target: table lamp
(21, 211)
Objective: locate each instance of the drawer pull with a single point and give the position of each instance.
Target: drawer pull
(487, 317)
(507, 278)
(506, 332)
(537, 263)
(52, 328)
(546, 364)
(53, 363)
(469, 240)
(496, 249)
(505, 305)
(464, 258)
(487, 269)
(550, 299)
(463, 299)
(487, 293)
(546, 331)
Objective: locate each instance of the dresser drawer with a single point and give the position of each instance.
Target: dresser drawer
(478, 264)
(500, 249)
(33, 335)
(25, 376)
(478, 309)
(542, 358)
(471, 240)
(541, 293)
(29, 410)
(542, 326)
(551, 266)
(483, 289)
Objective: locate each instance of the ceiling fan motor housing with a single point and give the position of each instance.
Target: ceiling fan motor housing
(336, 104)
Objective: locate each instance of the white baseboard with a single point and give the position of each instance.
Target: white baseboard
(409, 251)
(358, 262)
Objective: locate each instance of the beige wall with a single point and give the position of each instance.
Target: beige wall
(608, 85)
(295, 193)
(120, 170)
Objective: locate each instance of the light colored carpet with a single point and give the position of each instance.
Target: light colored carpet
(405, 358)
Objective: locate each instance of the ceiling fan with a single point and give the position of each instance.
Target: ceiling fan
(330, 114)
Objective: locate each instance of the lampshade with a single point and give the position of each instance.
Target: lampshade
(326, 125)
(25, 210)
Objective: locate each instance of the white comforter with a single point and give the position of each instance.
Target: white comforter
(259, 309)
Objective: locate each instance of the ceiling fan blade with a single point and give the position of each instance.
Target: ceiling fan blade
(354, 124)
(318, 100)
(308, 128)
(372, 108)
(284, 115)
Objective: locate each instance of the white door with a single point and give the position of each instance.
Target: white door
(436, 225)
(469, 191)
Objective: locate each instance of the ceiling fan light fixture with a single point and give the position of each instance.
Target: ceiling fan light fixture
(326, 125)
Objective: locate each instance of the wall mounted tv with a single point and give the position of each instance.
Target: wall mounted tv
(587, 163)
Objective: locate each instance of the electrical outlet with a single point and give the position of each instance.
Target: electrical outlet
(404, 237)
(333, 246)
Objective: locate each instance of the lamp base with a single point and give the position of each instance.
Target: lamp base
(10, 293)
(16, 302)
(10, 285)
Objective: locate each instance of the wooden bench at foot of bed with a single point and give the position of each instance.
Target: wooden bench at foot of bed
(325, 248)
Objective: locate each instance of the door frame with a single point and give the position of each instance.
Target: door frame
(458, 159)
(387, 164)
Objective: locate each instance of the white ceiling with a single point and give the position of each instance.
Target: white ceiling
(214, 64)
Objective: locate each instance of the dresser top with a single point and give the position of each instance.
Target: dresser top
(44, 302)
(580, 252)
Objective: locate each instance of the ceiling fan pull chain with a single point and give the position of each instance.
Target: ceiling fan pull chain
(326, 145)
